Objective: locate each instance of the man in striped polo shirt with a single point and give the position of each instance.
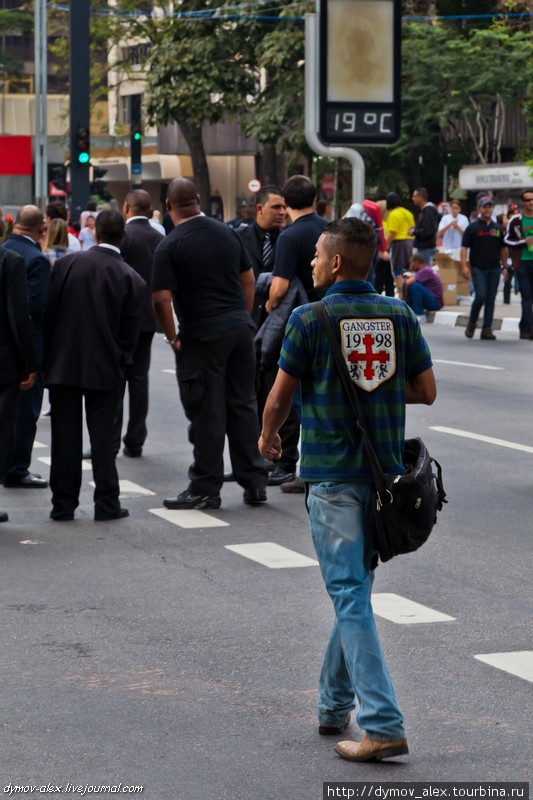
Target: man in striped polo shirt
(390, 363)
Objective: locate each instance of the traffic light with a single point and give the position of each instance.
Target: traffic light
(136, 140)
(83, 152)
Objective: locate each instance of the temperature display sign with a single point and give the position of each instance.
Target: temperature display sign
(360, 70)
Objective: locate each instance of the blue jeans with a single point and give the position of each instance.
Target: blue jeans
(353, 665)
(421, 299)
(486, 282)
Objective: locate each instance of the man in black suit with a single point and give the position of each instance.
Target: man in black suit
(17, 365)
(260, 238)
(138, 250)
(92, 320)
(27, 230)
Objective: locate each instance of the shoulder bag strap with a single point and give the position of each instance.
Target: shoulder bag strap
(351, 392)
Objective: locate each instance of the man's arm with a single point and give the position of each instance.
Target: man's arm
(276, 411)
(278, 290)
(422, 388)
(464, 265)
(248, 284)
(162, 305)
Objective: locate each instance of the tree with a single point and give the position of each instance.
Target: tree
(198, 71)
(12, 22)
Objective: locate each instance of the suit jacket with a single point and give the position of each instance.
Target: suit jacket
(138, 251)
(37, 275)
(252, 236)
(17, 352)
(92, 319)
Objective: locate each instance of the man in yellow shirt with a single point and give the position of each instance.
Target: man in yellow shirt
(399, 240)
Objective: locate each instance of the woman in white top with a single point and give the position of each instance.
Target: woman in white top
(452, 226)
(87, 238)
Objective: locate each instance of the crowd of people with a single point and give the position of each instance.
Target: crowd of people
(78, 314)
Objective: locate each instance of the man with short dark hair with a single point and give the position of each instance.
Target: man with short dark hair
(92, 324)
(519, 238)
(27, 230)
(336, 470)
(138, 248)
(488, 259)
(426, 225)
(202, 270)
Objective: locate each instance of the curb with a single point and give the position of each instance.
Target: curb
(455, 318)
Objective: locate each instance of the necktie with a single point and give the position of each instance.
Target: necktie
(267, 251)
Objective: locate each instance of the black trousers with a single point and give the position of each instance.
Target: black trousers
(136, 380)
(216, 379)
(29, 410)
(9, 402)
(67, 445)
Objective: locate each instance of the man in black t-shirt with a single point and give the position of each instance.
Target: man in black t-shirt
(202, 270)
(484, 238)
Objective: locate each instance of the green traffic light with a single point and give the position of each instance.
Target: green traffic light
(137, 136)
(83, 158)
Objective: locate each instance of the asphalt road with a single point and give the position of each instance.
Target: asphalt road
(146, 653)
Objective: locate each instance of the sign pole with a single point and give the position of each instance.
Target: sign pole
(312, 110)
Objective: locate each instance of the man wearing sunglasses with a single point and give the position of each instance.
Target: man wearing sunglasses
(488, 257)
(519, 238)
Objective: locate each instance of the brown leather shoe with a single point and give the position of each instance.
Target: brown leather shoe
(371, 750)
(296, 486)
(470, 330)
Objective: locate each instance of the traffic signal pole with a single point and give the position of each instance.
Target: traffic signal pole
(79, 106)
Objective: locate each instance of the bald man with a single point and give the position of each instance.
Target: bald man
(27, 230)
(202, 269)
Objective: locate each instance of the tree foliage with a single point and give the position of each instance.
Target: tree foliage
(12, 22)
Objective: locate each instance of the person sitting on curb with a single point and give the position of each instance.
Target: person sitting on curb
(423, 290)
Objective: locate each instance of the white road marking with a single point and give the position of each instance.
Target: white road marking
(272, 555)
(189, 519)
(405, 612)
(465, 364)
(30, 541)
(85, 465)
(40, 445)
(481, 438)
(519, 663)
(130, 489)
(171, 371)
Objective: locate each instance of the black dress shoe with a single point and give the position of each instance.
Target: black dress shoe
(280, 475)
(132, 452)
(4, 516)
(188, 500)
(87, 455)
(228, 476)
(61, 516)
(120, 514)
(253, 497)
(31, 481)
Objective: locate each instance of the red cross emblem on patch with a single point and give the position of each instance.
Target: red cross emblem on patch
(369, 347)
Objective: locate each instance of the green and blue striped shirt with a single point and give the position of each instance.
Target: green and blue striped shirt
(332, 449)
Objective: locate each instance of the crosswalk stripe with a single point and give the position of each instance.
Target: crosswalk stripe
(130, 489)
(189, 519)
(481, 438)
(519, 663)
(403, 611)
(171, 371)
(465, 364)
(272, 555)
(85, 465)
(39, 445)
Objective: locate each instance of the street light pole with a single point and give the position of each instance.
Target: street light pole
(41, 92)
